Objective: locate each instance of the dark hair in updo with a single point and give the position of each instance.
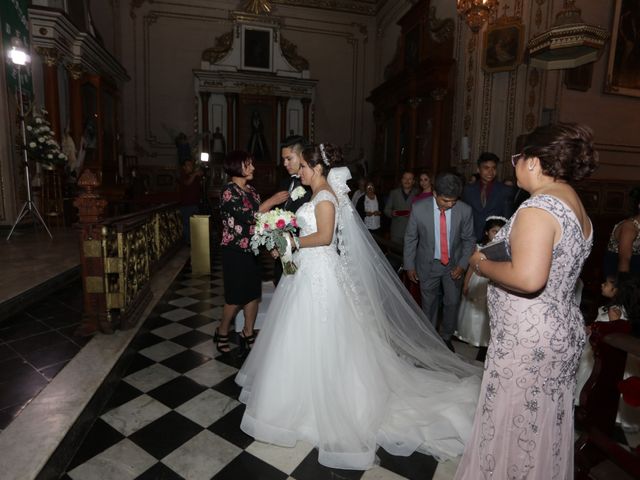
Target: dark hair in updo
(313, 156)
(565, 150)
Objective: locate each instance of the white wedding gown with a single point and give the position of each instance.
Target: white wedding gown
(332, 368)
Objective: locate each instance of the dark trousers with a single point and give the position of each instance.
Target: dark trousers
(440, 275)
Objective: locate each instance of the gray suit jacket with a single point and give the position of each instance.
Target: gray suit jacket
(419, 241)
(396, 201)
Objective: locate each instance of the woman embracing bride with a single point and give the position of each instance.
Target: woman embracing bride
(346, 360)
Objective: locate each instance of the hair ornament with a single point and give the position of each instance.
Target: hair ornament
(325, 159)
(496, 217)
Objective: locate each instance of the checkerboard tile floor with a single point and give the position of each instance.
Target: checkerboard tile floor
(175, 413)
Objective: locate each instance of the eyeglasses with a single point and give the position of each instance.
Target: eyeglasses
(515, 158)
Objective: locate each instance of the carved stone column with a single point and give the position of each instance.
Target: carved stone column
(306, 103)
(51, 96)
(91, 209)
(230, 97)
(283, 101)
(204, 114)
(75, 101)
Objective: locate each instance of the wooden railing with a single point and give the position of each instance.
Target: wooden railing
(119, 256)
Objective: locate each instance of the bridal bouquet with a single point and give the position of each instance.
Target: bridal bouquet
(273, 230)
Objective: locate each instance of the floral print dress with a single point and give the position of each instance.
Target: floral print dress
(523, 428)
(237, 209)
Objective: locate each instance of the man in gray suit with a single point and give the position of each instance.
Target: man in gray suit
(398, 206)
(437, 245)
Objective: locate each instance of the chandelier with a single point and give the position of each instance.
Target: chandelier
(476, 12)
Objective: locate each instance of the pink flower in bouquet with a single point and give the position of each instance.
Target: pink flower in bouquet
(294, 223)
(266, 226)
(226, 196)
(244, 243)
(280, 223)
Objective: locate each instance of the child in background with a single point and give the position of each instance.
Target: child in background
(623, 293)
(473, 317)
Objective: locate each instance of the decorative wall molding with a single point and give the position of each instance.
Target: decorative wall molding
(364, 7)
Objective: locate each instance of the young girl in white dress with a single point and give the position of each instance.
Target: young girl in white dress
(624, 304)
(473, 317)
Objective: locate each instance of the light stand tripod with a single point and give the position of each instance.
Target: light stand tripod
(19, 59)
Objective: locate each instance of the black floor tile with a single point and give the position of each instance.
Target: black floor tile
(70, 333)
(6, 352)
(235, 358)
(121, 395)
(202, 296)
(17, 319)
(310, 468)
(247, 467)
(53, 354)
(197, 321)
(100, 437)
(69, 318)
(53, 370)
(159, 472)
(14, 369)
(145, 340)
(8, 414)
(185, 361)
(14, 393)
(200, 307)
(50, 308)
(138, 362)
(191, 339)
(37, 342)
(156, 321)
(416, 466)
(177, 391)
(228, 427)
(165, 434)
(22, 330)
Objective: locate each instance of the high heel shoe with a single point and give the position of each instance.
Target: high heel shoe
(222, 342)
(247, 341)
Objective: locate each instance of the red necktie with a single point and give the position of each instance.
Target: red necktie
(444, 248)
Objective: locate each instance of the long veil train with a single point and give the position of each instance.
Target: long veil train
(383, 297)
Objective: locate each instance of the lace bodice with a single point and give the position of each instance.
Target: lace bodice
(306, 215)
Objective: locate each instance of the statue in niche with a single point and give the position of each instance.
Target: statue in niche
(218, 145)
(257, 144)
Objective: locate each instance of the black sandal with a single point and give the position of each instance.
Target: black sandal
(222, 342)
(247, 340)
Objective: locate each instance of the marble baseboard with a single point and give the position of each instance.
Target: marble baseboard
(56, 421)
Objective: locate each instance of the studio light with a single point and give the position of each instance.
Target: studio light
(204, 157)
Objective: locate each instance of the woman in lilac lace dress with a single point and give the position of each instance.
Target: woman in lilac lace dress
(523, 428)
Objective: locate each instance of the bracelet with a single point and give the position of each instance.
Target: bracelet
(476, 267)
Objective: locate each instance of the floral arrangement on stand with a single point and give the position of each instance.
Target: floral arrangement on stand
(276, 229)
(42, 146)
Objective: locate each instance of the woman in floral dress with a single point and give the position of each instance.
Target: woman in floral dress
(523, 428)
(239, 202)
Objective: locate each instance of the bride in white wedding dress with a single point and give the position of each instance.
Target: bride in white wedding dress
(346, 360)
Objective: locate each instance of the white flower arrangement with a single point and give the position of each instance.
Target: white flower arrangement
(297, 193)
(273, 230)
(41, 144)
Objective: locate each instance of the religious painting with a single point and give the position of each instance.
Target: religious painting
(257, 133)
(503, 45)
(257, 48)
(623, 70)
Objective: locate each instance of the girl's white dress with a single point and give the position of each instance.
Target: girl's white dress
(332, 367)
(473, 316)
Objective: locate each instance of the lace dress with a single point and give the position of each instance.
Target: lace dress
(321, 372)
(523, 427)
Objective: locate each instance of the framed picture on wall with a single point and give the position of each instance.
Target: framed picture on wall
(623, 69)
(503, 45)
(257, 48)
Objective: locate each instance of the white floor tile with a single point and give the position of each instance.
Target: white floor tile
(283, 458)
(193, 282)
(151, 377)
(379, 473)
(207, 407)
(134, 415)
(124, 461)
(209, 328)
(171, 330)
(178, 314)
(215, 313)
(187, 291)
(210, 373)
(202, 457)
(163, 350)
(183, 302)
(446, 470)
